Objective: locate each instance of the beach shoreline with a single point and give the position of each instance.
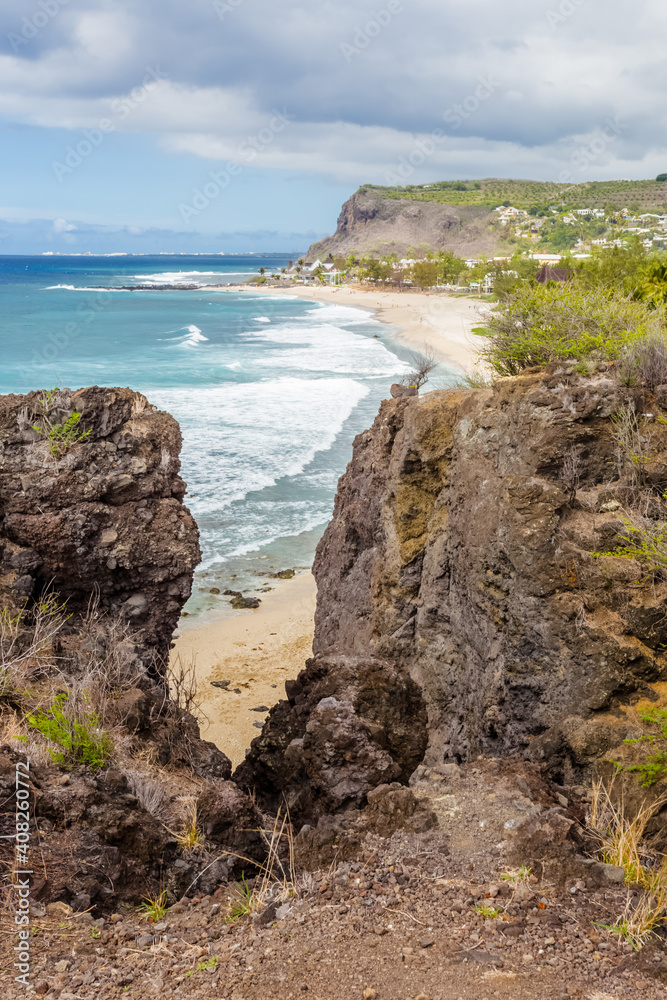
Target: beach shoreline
(436, 322)
(256, 651)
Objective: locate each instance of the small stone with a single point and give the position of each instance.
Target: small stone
(144, 940)
(527, 958)
(426, 942)
(115, 918)
(58, 909)
(214, 590)
(62, 965)
(369, 993)
(260, 708)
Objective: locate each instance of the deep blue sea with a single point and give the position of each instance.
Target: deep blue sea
(269, 390)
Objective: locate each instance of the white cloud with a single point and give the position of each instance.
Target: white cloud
(558, 78)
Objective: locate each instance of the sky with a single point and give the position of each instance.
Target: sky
(239, 125)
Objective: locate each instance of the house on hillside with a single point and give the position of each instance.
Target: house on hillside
(508, 214)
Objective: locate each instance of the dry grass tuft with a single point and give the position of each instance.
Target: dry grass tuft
(622, 844)
(622, 837)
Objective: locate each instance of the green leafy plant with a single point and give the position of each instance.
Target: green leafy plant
(60, 436)
(153, 907)
(647, 543)
(80, 740)
(487, 911)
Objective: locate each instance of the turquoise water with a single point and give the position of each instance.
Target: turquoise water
(269, 390)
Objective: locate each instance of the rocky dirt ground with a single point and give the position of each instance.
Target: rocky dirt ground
(398, 921)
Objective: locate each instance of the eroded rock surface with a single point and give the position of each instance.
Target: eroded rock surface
(105, 515)
(464, 553)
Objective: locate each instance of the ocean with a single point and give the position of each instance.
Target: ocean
(269, 390)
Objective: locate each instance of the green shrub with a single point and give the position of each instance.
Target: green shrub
(537, 324)
(645, 542)
(80, 740)
(60, 436)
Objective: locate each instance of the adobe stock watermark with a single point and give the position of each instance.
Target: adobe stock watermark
(121, 108)
(364, 35)
(454, 116)
(565, 10)
(21, 872)
(248, 151)
(582, 157)
(31, 26)
(224, 7)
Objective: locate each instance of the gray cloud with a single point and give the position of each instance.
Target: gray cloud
(363, 80)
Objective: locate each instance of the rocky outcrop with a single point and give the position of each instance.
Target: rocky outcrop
(350, 725)
(372, 223)
(100, 510)
(463, 562)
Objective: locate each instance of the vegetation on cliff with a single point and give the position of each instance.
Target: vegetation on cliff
(526, 194)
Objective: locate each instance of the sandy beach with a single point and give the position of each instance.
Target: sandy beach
(437, 321)
(256, 651)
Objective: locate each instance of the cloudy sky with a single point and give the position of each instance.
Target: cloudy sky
(244, 124)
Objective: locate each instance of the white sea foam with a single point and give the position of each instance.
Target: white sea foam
(325, 348)
(348, 315)
(185, 277)
(82, 288)
(261, 319)
(193, 337)
(240, 438)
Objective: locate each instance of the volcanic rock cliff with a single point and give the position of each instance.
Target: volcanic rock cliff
(97, 554)
(105, 515)
(460, 582)
(371, 223)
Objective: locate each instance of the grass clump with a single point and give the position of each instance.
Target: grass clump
(486, 911)
(535, 325)
(622, 844)
(246, 901)
(517, 876)
(153, 908)
(79, 740)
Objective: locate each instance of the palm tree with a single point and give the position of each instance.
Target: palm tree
(262, 270)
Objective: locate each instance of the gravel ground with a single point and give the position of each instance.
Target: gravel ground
(400, 921)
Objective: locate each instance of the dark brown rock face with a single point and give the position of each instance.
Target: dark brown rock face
(370, 222)
(349, 726)
(105, 514)
(461, 554)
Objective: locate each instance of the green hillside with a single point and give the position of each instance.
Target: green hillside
(493, 191)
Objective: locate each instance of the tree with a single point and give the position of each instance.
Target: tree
(652, 287)
(423, 364)
(262, 270)
(425, 273)
(661, 177)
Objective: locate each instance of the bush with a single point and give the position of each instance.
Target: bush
(536, 325)
(80, 740)
(644, 361)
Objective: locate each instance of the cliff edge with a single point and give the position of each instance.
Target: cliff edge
(463, 565)
(373, 224)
